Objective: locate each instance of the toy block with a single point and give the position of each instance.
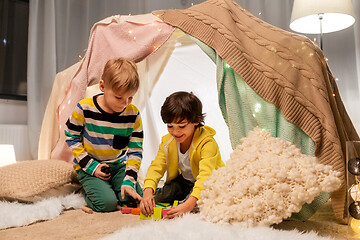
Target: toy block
(165, 211)
(156, 215)
(87, 210)
(126, 210)
(176, 202)
(163, 205)
(135, 211)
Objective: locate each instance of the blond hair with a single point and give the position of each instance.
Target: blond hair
(121, 73)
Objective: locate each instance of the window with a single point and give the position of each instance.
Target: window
(14, 21)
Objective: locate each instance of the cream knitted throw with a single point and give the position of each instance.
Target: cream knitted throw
(285, 69)
(265, 180)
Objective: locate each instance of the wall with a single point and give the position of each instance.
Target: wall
(13, 127)
(13, 112)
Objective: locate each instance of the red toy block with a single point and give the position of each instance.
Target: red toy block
(164, 212)
(126, 210)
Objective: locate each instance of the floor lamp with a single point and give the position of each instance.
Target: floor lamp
(321, 16)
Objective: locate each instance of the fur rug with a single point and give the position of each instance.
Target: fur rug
(192, 227)
(15, 214)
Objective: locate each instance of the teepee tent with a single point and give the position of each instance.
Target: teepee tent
(264, 76)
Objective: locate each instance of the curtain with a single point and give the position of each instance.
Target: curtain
(41, 65)
(59, 32)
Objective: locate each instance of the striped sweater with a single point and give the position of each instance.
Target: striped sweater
(95, 136)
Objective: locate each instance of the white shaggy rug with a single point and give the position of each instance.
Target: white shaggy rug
(15, 214)
(192, 227)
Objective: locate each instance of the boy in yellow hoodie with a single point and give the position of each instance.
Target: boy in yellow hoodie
(189, 154)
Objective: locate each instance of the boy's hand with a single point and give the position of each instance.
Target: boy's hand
(147, 203)
(125, 189)
(99, 174)
(185, 207)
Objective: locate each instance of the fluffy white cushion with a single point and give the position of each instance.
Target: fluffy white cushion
(265, 180)
(34, 180)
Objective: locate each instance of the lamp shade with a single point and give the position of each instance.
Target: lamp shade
(336, 15)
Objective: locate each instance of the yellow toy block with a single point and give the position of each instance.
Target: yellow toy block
(157, 215)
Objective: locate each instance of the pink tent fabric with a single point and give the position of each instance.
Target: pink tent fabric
(111, 38)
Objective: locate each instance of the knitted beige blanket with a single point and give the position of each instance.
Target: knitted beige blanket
(285, 69)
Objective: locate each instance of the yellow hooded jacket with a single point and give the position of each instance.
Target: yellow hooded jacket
(204, 158)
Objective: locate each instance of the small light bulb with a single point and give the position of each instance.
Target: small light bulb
(257, 107)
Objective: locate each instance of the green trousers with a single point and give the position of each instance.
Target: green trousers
(104, 196)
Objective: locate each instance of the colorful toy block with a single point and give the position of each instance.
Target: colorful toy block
(126, 210)
(156, 215)
(165, 211)
(163, 205)
(135, 211)
(160, 211)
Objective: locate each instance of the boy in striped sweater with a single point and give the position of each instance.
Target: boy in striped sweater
(105, 135)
